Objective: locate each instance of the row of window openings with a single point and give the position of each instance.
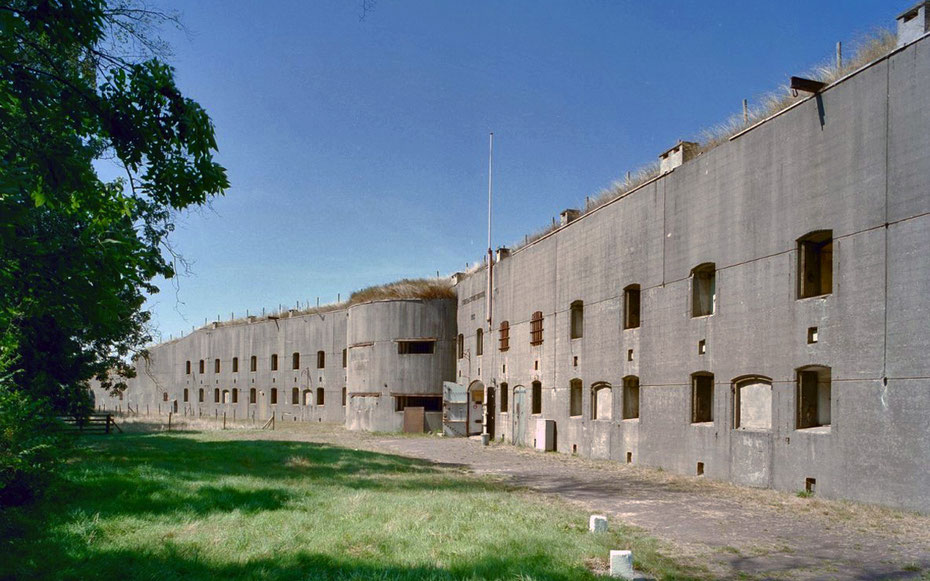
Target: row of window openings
(253, 362)
(752, 399)
(815, 278)
(232, 396)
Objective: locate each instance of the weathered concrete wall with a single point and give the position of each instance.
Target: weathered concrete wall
(163, 383)
(855, 160)
(379, 374)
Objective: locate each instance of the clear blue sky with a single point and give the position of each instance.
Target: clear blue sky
(357, 150)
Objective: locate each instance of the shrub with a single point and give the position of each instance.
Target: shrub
(29, 448)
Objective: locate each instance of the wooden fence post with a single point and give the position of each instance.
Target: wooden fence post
(169, 421)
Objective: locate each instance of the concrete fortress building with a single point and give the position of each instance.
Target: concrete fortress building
(758, 312)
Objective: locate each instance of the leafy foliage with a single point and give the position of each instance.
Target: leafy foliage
(78, 253)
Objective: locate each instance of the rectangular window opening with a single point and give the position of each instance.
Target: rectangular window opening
(505, 398)
(700, 469)
(429, 403)
(577, 320)
(505, 335)
(703, 290)
(537, 398)
(630, 398)
(536, 328)
(415, 347)
(812, 335)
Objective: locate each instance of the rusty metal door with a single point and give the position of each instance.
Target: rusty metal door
(414, 420)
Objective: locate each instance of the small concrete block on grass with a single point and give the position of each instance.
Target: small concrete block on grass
(597, 523)
(621, 564)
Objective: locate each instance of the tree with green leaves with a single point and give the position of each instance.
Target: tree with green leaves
(84, 82)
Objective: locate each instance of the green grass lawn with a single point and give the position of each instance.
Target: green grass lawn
(207, 506)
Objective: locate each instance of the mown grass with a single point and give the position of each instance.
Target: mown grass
(203, 506)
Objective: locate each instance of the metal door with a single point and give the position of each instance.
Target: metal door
(454, 409)
(518, 429)
(489, 412)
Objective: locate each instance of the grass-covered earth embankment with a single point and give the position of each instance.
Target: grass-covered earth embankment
(204, 506)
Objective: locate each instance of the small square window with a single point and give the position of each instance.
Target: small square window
(812, 334)
(702, 347)
(629, 355)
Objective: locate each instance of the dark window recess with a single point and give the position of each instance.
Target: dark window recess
(702, 398)
(320, 396)
(295, 361)
(253, 364)
(187, 368)
(274, 362)
(703, 290)
(460, 346)
(345, 358)
(164, 396)
(630, 398)
(201, 396)
(186, 395)
(415, 347)
(253, 395)
(427, 402)
(815, 264)
(216, 366)
(201, 366)
(813, 397)
(631, 307)
(505, 336)
(577, 320)
(537, 398)
(295, 396)
(274, 395)
(235, 365)
(505, 397)
(320, 359)
(536, 328)
(216, 396)
(343, 396)
(479, 342)
(575, 398)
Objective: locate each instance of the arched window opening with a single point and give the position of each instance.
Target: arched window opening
(274, 395)
(235, 365)
(187, 368)
(164, 396)
(200, 396)
(308, 397)
(186, 395)
(253, 395)
(216, 366)
(479, 342)
(320, 396)
(274, 362)
(602, 403)
(295, 361)
(226, 398)
(253, 363)
(320, 359)
(235, 395)
(216, 395)
(201, 367)
(752, 403)
(295, 396)
(460, 346)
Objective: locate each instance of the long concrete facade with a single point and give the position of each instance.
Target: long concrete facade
(758, 313)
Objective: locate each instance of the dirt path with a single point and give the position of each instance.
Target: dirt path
(736, 532)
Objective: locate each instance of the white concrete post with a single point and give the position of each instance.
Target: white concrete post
(597, 523)
(621, 564)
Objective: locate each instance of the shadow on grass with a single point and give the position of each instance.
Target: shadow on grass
(174, 562)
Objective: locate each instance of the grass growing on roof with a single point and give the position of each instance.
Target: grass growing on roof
(205, 506)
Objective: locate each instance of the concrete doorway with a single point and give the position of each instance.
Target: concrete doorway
(475, 408)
